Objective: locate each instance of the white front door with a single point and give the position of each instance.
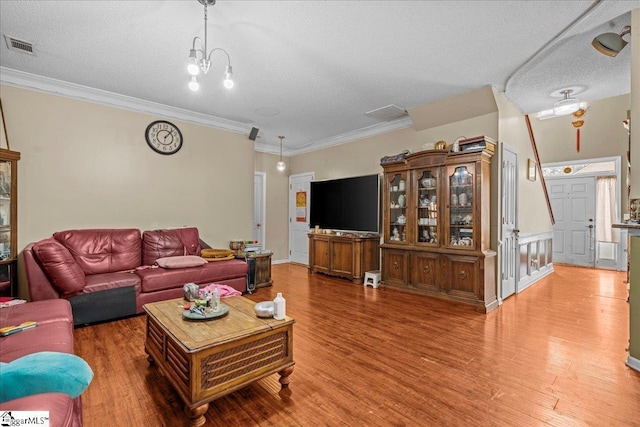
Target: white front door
(259, 207)
(509, 243)
(573, 205)
(299, 204)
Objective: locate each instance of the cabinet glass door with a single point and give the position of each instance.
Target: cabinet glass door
(397, 227)
(461, 208)
(5, 209)
(427, 203)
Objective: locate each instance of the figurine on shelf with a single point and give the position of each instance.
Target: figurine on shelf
(396, 234)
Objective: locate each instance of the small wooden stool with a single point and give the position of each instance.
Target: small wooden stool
(372, 278)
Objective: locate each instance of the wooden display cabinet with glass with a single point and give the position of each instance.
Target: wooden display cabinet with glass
(8, 221)
(437, 241)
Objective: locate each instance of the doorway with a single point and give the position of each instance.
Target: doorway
(259, 207)
(586, 199)
(573, 203)
(299, 205)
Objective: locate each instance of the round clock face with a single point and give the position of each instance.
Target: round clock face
(163, 137)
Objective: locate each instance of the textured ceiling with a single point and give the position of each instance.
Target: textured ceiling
(310, 70)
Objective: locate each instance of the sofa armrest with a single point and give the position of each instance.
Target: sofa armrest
(63, 410)
(40, 288)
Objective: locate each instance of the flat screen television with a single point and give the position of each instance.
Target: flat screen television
(346, 204)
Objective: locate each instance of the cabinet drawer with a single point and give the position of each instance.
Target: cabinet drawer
(463, 276)
(424, 269)
(394, 267)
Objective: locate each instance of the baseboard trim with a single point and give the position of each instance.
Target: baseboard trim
(526, 282)
(633, 363)
(279, 261)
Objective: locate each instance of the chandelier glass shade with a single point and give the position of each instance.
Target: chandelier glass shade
(281, 165)
(200, 60)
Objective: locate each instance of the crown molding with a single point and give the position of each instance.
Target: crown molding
(320, 144)
(20, 79)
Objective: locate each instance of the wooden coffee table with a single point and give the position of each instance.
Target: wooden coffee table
(205, 360)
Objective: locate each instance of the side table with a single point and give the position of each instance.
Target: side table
(263, 269)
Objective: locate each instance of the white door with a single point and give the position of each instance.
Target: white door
(299, 204)
(509, 215)
(573, 205)
(259, 207)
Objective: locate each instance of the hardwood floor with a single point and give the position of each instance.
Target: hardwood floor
(552, 355)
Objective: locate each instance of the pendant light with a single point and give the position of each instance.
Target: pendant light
(281, 166)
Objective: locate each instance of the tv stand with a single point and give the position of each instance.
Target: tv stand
(349, 255)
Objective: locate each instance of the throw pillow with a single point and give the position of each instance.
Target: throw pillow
(181, 261)
(65, 274)
(44, 372)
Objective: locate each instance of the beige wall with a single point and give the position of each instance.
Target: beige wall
(363, 156)
(85, 165)
(533, 214)
(276, 198)
(602, 135)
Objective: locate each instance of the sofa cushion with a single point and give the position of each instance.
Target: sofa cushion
(101, 282)
(103, 250)
(44, 372)
(155, 279)
(185, 261)
(168, 243)
(63, 271)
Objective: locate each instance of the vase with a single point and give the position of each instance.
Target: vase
(402, 200)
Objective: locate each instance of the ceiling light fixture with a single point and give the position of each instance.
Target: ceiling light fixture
(281, 166)
(548, 114)
(200, 60)
(611, 44)
(567, 105)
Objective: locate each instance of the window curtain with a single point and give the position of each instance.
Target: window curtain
(606, 210)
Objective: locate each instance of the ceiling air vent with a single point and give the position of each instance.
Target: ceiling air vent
(388, 113)
(19, 45)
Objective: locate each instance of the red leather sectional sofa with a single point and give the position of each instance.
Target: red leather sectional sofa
(107, 273)
(53, 333)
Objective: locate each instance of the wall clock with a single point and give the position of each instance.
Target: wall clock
(163, 137)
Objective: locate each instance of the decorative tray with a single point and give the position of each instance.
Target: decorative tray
(223, 310)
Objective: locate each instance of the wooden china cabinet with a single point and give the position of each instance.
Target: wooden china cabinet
(436, 225)
(8, 221)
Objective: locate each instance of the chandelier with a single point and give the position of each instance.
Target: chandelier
(200, 60)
